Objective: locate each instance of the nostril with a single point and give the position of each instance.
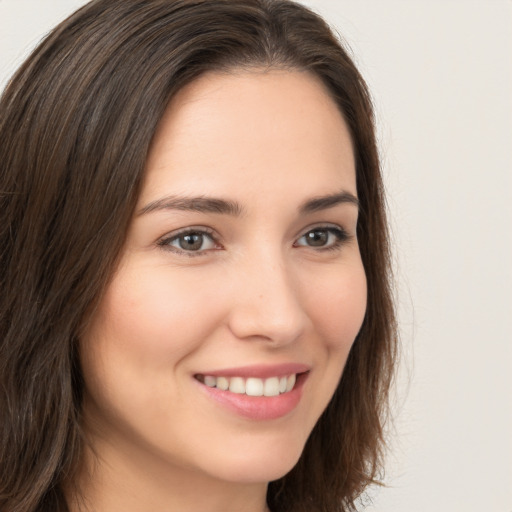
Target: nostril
(266, 320)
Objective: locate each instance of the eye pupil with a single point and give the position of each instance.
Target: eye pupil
(191, 241)
(317, 238)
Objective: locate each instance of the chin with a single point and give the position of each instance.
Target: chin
(258, 462)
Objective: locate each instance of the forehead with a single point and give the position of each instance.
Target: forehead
(251, 129)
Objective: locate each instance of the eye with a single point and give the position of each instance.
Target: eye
(323, 238)
(191, 241)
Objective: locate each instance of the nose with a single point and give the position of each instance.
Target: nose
(266, 302)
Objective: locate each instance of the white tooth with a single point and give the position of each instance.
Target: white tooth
(290, 382)
(210, 381)
(271, 386)
(222, 383)
(282, 384)
(237, 385)
(254, 387)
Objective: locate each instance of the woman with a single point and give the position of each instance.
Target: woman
(195, 308)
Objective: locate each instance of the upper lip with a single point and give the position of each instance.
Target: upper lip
(260, 371)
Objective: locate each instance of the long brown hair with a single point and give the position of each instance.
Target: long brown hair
(76, 122)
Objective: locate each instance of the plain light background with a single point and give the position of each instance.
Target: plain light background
(441, 76)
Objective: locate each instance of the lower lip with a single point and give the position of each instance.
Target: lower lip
(258, 407)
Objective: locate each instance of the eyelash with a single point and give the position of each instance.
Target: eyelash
(341, 237)
(165, 243)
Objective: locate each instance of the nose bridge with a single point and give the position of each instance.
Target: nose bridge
(267, 303)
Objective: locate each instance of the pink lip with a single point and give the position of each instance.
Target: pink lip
(259, 407)
(260, 371)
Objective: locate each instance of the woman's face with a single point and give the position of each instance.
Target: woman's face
(241, 268)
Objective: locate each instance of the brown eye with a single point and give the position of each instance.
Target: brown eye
(317, 238)
(189, 241)
(323, 238)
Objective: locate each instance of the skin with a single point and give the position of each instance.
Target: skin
(255, 293)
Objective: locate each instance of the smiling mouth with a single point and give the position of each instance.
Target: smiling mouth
(251, 386)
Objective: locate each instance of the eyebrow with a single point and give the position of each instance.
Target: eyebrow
(203, 204)
(325, 202)
(194, 204)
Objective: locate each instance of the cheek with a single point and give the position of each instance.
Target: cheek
(143, 329)
(154, 318)
(339, 305)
